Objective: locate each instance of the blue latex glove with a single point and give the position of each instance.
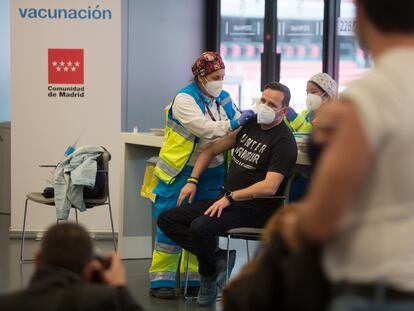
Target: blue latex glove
(291, 115)
(246, 116)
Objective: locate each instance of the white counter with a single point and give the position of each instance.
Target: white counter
(135, 221)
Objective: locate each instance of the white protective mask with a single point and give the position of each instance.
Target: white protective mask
(313, 101)
(265, 114)
(214, 88)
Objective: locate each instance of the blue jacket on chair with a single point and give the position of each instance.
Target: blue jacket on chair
(71, 175)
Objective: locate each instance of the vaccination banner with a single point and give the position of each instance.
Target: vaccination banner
(66, 91)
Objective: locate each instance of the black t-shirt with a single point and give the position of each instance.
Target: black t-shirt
(259, 151)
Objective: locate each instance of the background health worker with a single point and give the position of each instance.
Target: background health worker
(320, 89)
(200, 113)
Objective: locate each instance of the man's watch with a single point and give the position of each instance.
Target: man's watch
(229, 196)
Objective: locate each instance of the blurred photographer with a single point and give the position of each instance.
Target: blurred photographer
(69, 276)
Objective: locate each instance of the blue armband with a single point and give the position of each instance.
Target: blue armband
(234, 124)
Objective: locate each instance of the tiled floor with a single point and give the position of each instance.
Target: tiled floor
(14, 275)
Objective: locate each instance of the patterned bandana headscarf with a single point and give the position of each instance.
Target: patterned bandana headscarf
(207, 63)
(326, 83)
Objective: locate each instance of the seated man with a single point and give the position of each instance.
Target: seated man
(263, 158)
(68, 277)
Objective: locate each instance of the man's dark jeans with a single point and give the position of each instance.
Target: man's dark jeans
(192, 230)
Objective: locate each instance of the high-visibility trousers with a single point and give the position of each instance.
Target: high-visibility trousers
(167, 254)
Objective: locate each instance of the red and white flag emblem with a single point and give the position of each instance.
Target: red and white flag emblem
(65, 66)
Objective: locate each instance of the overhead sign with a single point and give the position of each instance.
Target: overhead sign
(242, 29)
(346, 26)
(301, 28)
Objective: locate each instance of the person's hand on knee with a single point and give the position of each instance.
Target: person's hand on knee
(217, 207)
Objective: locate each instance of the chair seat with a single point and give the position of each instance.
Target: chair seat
(247, 233)
(95, 202)
(246, 230)
(39, 198)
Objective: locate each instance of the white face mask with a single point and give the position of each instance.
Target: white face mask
(265, 114)
(313, 101)
(214, 88)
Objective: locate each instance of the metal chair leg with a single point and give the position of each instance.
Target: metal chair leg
(23, 232)
(110, 213)
(112, 227)
(248, 252)
(76, 216)
(186, 278)
(228, 258)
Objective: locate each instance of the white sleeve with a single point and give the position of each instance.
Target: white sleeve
(188, 113)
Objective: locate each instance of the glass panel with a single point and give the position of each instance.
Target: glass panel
(240, 46)
(353, 61)
(300, 40)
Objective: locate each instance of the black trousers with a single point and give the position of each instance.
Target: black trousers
(192, 230)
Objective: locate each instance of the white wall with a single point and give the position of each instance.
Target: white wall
(44, 126)
(163, 38)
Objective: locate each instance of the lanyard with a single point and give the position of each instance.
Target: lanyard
(211, 115)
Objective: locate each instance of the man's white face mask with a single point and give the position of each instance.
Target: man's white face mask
(265, 114)
(214, 88)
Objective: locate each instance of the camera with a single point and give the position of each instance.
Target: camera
(105, 261)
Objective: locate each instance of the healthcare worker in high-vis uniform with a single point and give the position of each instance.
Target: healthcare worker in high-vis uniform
(200, 113)
(320, 89)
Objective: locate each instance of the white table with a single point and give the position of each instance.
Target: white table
(135, 221)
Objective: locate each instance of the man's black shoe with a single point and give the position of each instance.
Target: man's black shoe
(163, 293)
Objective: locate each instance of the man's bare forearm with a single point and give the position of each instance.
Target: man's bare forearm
(202, 162)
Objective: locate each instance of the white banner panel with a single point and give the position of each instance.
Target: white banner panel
(66, 80)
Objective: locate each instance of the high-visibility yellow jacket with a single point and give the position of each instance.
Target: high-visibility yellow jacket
(179, 143)
(302, 122)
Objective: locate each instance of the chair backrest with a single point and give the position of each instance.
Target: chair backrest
(105, 158)
(103, 172)
(286, 191)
